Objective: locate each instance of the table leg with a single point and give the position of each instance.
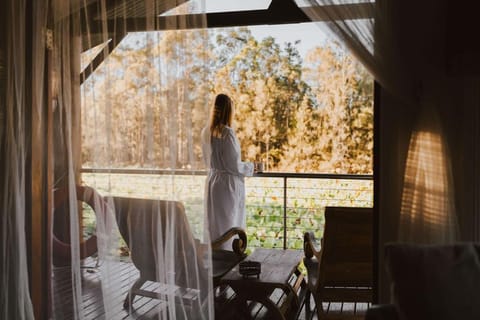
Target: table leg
(273, 311)
(260, 296)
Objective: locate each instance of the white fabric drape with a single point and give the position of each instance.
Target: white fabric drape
(148, 90)
(124, 95)
(362, 27)
(15, 302)
(427, 212)
(367, 29)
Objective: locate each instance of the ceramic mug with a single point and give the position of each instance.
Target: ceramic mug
(258, 166)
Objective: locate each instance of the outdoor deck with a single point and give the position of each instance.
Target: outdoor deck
(145, 308)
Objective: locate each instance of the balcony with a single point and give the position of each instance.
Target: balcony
(280, 206)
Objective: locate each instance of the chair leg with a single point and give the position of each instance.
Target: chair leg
(131, 293)
(308, 311)
(318, 306)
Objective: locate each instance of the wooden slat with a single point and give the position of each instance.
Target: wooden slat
(272, 271)
(343, 271)
(147, 308)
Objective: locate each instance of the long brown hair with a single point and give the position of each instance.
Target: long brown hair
(222, 115)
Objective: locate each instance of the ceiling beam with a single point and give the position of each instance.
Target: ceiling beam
(100, 57)
(271, 16)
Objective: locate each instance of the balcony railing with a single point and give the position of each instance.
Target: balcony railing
(280, 206)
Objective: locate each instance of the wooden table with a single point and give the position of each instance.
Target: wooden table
(279, 272)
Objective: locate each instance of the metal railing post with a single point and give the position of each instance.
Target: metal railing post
(285, 212)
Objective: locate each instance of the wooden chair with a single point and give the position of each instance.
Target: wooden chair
(61, 250)
(224, 260)
(141, 220)
(342, 270)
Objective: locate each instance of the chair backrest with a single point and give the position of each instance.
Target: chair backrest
(61, 253)
(155, 231)
(347, 248)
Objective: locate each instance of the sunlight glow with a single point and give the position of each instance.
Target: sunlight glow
(426, 212)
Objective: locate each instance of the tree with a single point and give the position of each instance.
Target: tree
(265, 81)
(148, 103)
(341, 140)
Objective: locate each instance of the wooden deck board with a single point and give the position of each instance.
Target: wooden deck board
(147, 308)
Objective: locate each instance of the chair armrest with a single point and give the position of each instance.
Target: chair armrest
(238, 245)
(309, 246)
(382, 312)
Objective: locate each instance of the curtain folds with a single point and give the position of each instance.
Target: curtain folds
(367, 28)
(15, 302)
(363, 28)
(102, 84)
(123, 99)
(123, 79)
(123, 91)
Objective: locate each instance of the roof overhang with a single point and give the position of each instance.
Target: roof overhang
(124, 17)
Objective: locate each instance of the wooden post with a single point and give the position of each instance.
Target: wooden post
(40, 170)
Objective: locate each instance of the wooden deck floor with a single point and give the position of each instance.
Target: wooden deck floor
(145, 308)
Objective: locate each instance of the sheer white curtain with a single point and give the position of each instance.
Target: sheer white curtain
(427, 212)
(367, 28)
(15, 302)
(128, 95)
(139, 106)
(363, 28)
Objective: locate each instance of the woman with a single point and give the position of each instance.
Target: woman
(225, 186)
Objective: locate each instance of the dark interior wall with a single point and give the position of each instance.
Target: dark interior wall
(461, 115)
(394, 134)
(462, 126)
(3, 83)
(421, 30)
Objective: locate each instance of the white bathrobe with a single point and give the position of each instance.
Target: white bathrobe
(225, 186)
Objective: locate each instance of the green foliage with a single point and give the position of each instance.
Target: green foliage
(306, 202)
(146, 105)
(335, 133)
